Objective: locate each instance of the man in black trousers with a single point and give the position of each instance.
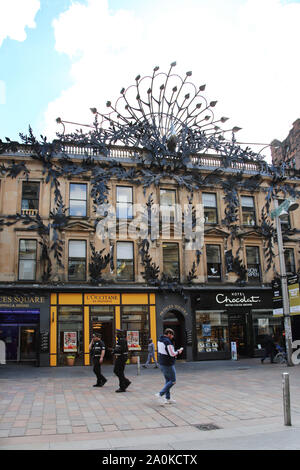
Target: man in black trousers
(121, 355)
(97, 349)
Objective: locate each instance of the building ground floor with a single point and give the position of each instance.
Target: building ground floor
(54, 328)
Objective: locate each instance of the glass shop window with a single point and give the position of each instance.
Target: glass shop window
(265, 323)
(209, 201)
(213, 261)
(70, 334)
(253, 263)
(30, 198)
(212, 332)
(171, 260)
(248, 210)
(135, 321)
(78, 200)
(27, 260)
(125, 264)
(77, 260)
(124, 202)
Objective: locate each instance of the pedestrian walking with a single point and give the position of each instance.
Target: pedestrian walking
(121, 355)
(166, 359)
(151, 354)
(97, 349)
(270, 348)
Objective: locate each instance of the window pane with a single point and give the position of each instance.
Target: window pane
(247, 201)
(77, 208)
(167, 197)
(136, 319)
(77, 249)
(252, 253)
(27, 249)
(289, 260)
(78, 191)
(212, 332)
(27, 270)
(124, 194)
(171, 260)
(125, 270)
(30, 195)
(124, 250)
(209, 200)
(77, 270)
(213, 254)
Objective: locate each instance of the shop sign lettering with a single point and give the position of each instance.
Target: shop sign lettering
(106, 299)
(238, 299)
(21, 299)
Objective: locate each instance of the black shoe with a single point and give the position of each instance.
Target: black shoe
(127, 384)
(103, 382)
(120, 390)
(145, 367)
(97, 385)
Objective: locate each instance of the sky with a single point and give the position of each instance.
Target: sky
(59, 58)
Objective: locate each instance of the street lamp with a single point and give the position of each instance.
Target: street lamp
(280, 211)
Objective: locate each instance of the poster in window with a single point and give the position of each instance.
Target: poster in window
(70, 341)
(206, 329)
(133, 341)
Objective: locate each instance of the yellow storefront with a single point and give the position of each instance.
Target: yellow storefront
(74, 316)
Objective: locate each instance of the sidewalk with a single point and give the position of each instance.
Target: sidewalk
(58, 408)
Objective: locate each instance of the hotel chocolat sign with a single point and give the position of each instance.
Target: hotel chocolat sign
(238, 299)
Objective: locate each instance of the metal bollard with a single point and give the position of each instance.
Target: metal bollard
(138, 366)
(286, 399)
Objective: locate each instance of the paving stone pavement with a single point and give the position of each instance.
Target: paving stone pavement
(58, 408)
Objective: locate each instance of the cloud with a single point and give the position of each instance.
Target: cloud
(245, 51)
(15, 16)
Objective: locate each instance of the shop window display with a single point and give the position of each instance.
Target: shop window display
(264, 323)
(212, 332)
(70, 334)
(135, 321)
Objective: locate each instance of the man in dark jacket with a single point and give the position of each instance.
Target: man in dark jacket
(270, 348)
(97, 349)
(121, 355)
(166, 359)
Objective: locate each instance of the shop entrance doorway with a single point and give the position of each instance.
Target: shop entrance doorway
(176, 322)
(102, 322)
(238, 332)
(20, 342)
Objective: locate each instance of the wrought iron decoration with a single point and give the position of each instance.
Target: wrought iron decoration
(168, 124)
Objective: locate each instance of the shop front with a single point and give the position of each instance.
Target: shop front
(75, 316)
(241, 316)
(24, 320)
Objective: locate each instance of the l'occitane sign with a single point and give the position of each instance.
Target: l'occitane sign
(102, 299)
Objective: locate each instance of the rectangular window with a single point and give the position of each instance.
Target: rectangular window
(125, 271)
(27, 260)
(168, 204)
(209, 202)
(213, 261)
(171, 260)
(78, 200)
(77, 260)
(124, 202)
(212, 332)
(30, 198)
(248, 210)
(135, 321)
(253, 263)
(289, 260)
(70, 334)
